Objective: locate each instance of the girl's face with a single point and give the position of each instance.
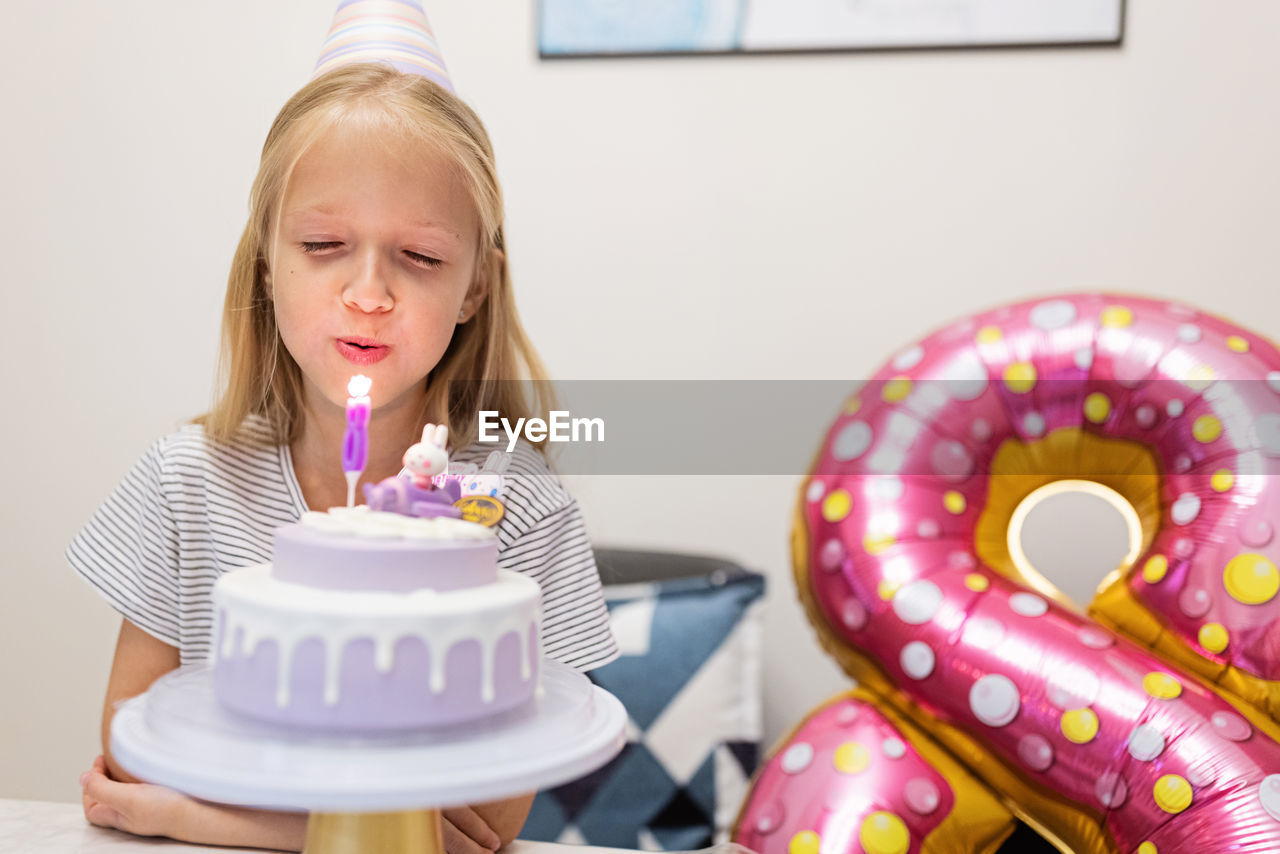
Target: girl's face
(373, 260)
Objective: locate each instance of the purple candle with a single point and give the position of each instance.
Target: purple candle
(355, 441)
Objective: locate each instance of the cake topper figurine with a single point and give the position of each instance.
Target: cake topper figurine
(414, 492)
(391, 31)
(355, 439)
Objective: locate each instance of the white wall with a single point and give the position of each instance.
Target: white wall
(771, 217)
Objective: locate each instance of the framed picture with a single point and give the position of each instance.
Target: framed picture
(656, 27)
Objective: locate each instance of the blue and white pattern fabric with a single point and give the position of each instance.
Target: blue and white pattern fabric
(689, 677)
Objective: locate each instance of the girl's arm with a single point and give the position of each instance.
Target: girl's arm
(140, 659)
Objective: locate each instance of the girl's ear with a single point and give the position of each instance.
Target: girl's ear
(480, 285)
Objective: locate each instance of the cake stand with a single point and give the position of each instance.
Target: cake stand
(365, 792)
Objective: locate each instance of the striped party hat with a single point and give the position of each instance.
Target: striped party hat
(390, 31)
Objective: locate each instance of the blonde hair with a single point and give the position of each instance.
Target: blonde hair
(488, 356)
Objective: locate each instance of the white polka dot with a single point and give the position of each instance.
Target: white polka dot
(1268, 428)
(893, 748)
(1184, 547)
(1202, 773)
(917, 602)
(816, 489)
(966, 377)
(1189, 333)
(797, 758)
(832, 555)
(1145, 415)
(1177, 309)
(1095, 638)
(1194, 602)
(921, 795)
(961, 560)
(1185, 509)
(951, 460)
(887, 488)
(854, 614)
(1033, 424)
(917, 660)
(1028, 605)
(1181, 463)
(908, 359)
(994, 700)
(1053, 314)
(1145, 743)
(928, 529)
(1175, 408)
(852, 441)
(1269, 795)
(980, 429)
(983, 633)
(1073, 686)
(1273, 380)
(1111, 789)
(1084, 358)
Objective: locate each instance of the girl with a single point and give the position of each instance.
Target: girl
(374, 245)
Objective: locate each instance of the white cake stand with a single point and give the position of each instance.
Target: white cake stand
(365, 792)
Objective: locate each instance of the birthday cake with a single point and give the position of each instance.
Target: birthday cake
(372, 620)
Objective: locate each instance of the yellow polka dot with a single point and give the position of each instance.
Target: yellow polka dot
(1214, 637)
(886, 588)
(1162, 686)
(1206, 429)
(975, 582)
(897, 389)
(1079, 725)
(836, 505)
(1155, 568)
(884, 833)
(954, 502)
(876, 543)
(989, 335)
(805, 842)
(1097, 407)
(851, 758)
(1200, 377)
(852, 405)
(1222, 480)
(1147, 848)
(1020, 377)
(1251, 578)
(1116, 317)
(1235, 342)
(1172, 793)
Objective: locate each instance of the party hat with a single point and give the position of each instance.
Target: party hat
(390, 31)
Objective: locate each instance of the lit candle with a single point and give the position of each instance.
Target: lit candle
(355, 441)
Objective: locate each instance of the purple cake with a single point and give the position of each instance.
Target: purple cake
(368, 620)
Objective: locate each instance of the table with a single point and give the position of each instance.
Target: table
(60, 828)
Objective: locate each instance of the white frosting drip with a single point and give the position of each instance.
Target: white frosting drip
(360, 521)
(254, 606)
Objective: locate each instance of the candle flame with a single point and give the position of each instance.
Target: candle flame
(359, 386)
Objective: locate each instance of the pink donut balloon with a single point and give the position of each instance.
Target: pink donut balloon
(856, 776)
(904, 562)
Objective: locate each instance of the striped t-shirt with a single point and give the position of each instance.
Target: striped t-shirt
(191, 509)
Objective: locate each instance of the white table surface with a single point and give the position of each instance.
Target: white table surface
(59, 828)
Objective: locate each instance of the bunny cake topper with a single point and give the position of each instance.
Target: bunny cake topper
(395, 32)
(414, 491)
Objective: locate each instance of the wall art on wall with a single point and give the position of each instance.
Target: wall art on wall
(645, 27)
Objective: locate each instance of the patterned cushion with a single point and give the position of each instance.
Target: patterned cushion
(689, 677)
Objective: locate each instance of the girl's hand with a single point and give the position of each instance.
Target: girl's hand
(465, 832)
(138, 808)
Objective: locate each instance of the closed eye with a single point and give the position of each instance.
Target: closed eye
(318, 246)
(424, 260)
